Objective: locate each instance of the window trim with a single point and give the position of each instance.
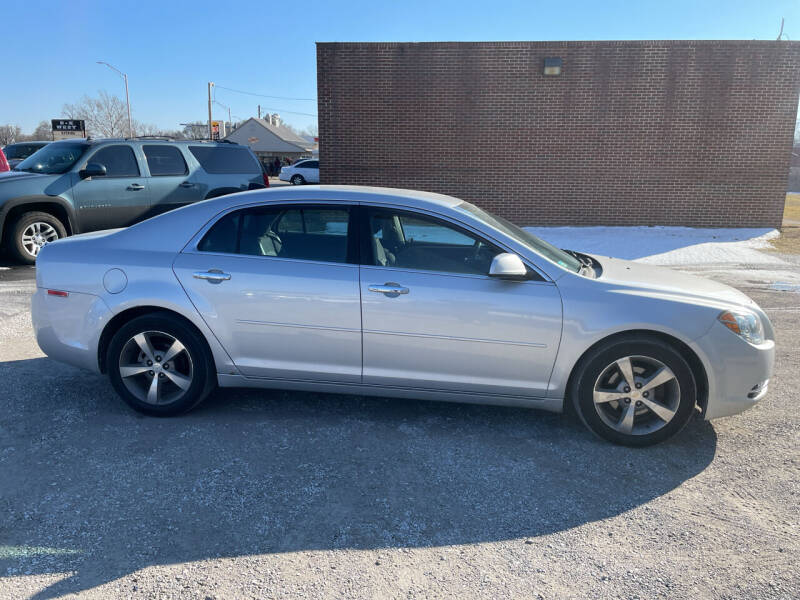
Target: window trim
(353, 255)
(177, 148)
(106, 146)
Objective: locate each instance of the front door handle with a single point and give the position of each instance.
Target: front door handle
(212, 276)
(390, 289)
(135, 187)
(187, 184)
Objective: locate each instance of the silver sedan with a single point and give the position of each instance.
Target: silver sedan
(395, 293)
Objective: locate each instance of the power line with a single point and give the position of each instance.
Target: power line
(282, 110)
(222, 87)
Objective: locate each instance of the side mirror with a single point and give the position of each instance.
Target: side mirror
(92, 170)
(508, 266)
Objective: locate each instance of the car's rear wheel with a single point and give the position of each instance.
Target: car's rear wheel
(297, 180)
(635, 392)
(160, 366)
(31, 232)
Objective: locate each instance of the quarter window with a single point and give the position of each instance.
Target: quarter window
(413, 241)
(305, 233)
(119, 161)
(165, 160)
(226, 159)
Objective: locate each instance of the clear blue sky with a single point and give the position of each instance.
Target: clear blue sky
(170, 48)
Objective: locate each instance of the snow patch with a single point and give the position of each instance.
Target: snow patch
(669, 246)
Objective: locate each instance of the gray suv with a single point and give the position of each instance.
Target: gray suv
(76, 186)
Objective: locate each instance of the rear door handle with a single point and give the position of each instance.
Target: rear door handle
(187, 184)
(134, 187)
(390, 289)
(212, 276)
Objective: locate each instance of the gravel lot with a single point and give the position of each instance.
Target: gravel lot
(293, 495)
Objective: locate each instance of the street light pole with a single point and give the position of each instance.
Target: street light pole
(127, 96)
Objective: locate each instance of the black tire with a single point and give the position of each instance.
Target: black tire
(203, 372)
(297, 180)
(601, 360)
(15, 242)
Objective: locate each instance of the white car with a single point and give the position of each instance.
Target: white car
(303, 171)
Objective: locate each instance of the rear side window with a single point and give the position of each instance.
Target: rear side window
(119, 161)
(311, 164)
(165, 160)
(303, 233)
(221, 159)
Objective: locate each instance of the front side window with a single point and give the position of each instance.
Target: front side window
(119, 161)
(164, 160)
(304, 233)
(414, 241)
(53, 158)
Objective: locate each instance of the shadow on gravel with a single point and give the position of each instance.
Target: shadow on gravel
(94, 489)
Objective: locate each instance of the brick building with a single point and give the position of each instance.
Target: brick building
(695, 133)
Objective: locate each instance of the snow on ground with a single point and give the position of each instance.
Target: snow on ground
(670, 246)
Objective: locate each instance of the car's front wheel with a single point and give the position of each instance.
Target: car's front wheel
(636, 392)
(297, 180)
(31, 232)
(159, 365)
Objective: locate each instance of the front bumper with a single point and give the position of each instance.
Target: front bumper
(68, 328)
(738, 372)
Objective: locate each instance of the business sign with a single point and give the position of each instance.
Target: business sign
(68, 128)
(215, 129)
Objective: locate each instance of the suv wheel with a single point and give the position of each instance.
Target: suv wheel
(31, 232)
(297, 180)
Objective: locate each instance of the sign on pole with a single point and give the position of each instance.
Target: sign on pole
(68, 128)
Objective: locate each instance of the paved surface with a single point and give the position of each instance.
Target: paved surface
(293, 495)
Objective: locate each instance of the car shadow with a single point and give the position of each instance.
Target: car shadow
(92, 488)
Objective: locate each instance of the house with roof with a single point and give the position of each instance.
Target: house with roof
(269, 139)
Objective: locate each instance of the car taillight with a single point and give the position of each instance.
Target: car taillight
(266, 179)
(58, 293)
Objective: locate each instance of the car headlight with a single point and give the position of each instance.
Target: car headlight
(744, 324)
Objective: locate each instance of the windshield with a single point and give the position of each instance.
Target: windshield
(18, 151)
(53, 158)
(525, 238)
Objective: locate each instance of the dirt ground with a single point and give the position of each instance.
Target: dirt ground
(295, 495)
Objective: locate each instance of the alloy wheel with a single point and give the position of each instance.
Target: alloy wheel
(636, 395)
(37, 235)
(156, 367)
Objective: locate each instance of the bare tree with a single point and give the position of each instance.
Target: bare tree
(195, 131)
(43, 131)
(10, 134)
(311, 130)
(105, 116)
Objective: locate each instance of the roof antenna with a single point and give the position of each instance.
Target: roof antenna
(780, 33)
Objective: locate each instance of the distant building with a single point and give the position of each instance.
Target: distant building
(269, 139)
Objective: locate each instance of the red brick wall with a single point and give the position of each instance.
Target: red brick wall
(632, 133)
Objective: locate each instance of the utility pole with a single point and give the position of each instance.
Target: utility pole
(259, 111)
(210, 85)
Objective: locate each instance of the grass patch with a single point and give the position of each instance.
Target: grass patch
(789, 240)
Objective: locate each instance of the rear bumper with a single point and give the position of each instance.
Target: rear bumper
(68, 328)
(738, 372)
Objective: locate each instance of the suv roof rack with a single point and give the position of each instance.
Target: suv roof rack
(166, 138)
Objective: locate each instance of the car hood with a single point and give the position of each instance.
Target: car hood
(651, 279)
(10, 176)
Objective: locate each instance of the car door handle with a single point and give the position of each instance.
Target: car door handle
(134, 187)
(390, 289)
(213, 276)
(187, 184)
